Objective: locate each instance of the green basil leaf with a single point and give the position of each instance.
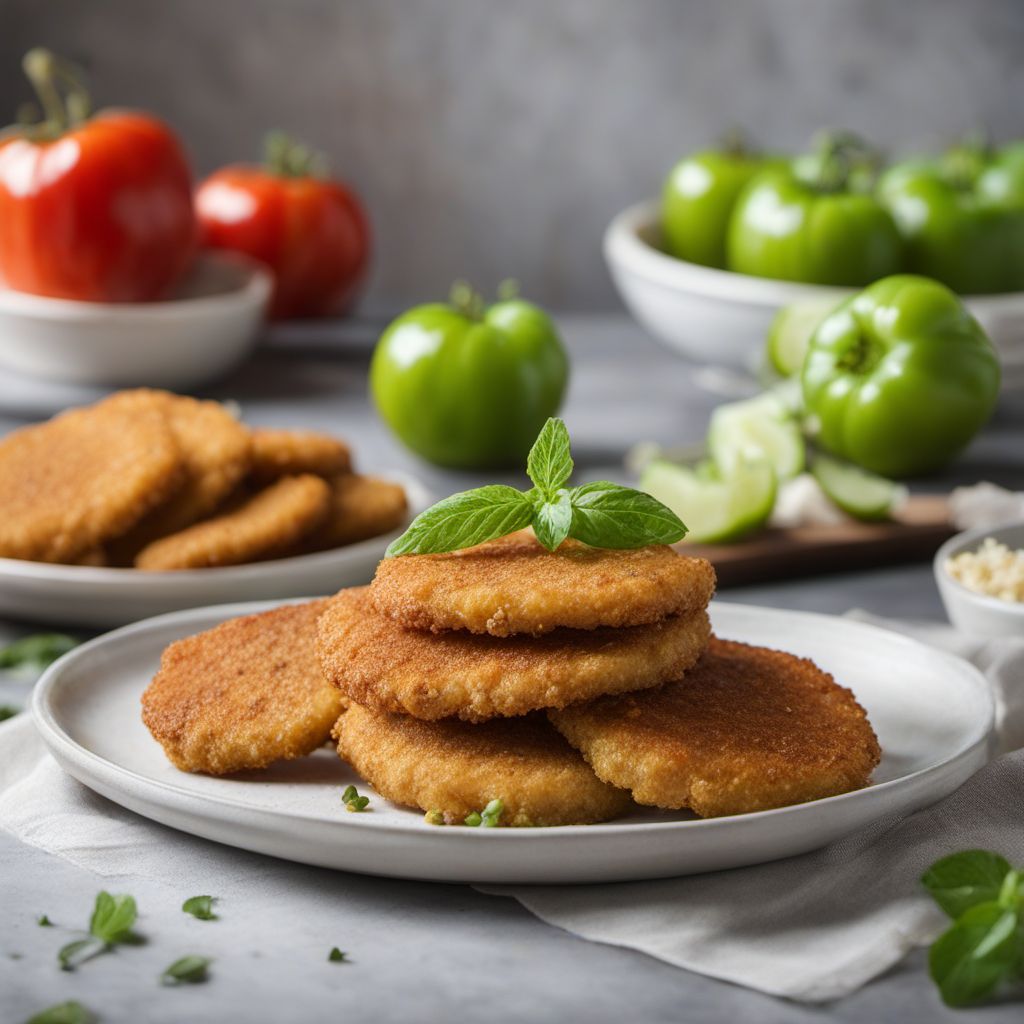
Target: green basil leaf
(553, 520)
(979, 951)
(549, 464)
(607, 515)
(188, 970)
(963, 880)
(200, 907)
(464, 520)
(36, 651)
(113, 917)
(71, 1012)
(76, 953)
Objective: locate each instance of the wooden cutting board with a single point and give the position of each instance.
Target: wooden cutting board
(777, 554)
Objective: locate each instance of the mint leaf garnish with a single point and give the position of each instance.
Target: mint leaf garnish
(985, 944)
(188, 970)
(37, 651)
(200, 907)
(549, 464)
(110, 924)
(601, 514)
(962, 880)
(465, 519)
(71, 1012)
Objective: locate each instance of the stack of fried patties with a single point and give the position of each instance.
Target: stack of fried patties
(160, 481)
(451, 662)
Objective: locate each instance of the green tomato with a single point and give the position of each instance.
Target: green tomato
(900, 377)
(469, 388)
(796, 224)
(962, 218)
(697, 200)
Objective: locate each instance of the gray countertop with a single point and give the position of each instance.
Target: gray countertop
(442, 953)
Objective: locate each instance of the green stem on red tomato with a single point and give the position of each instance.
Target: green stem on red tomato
(62, 108)
(287, 158)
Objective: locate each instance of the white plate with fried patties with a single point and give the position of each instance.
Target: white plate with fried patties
(933, 715)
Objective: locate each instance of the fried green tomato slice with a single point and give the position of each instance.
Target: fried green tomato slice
(515, 585)
(747, 729)
(456, 768)
(377, 663)
(244, 694)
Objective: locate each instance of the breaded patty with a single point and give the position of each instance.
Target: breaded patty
(361, 507)
(215, 451)
(514, 585)
(90, 474)
(278, 453)
(746, 729)
(269, 524)
(243, 694)
(378, 663)
(455, 768)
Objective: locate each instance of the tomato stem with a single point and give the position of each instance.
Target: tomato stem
(839, 154)
(288, 158)
(62, 96)
(467, 300)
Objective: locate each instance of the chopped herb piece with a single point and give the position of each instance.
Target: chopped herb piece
(434, 818)
(200, 907)
(44, 922)
(472, 819)
(70, 1012)
(190, 970)
(110, 924)
(337, 957)
(74, 954)
(37, 651)
(353, 801)
(491, 814)
(7, 711)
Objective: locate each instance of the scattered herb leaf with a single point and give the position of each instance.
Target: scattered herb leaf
(75, 953)
(36, 651)
(70, 1012)
(472, 819)
(491, 814)
(600, 514)
(44, 922)
(7, 711)
(337, 957)
(110, 924)
(190, 970)
(200, 907)
(984, 946)
(353, 801)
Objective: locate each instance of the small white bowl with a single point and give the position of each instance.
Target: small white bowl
(206, 329)
(721, 318)
(967, 609)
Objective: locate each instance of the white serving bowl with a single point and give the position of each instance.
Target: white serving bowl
(968, 610)
(721, 318)
(208, 327)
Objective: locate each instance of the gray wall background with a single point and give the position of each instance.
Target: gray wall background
(497, 139)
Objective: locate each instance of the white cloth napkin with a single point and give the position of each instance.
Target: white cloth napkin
(812, 928)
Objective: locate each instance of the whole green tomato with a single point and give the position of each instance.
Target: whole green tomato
(697, 200)
(466, 386)
(814, 221)
(900, 377)
(962, 217)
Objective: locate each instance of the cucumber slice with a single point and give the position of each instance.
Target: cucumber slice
(857, 492)
(791, 332)
(716, 507)
(761, 427)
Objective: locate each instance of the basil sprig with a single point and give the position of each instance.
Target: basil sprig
(984, 946)
(601, 514)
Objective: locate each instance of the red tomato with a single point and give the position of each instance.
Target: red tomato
(101, 212)
(311, 232)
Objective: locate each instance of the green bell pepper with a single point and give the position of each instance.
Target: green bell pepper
(698, 197)
(467, 386)
(962, 217)
(814, 221)
(900, 377)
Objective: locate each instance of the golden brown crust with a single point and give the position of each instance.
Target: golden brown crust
(278, 453)
(514, 585)
(243, 694)
(68, 485)
(455, 768)
(377, 663)
(269, 524)
(746, 729)
(215, 451)
(361, 507)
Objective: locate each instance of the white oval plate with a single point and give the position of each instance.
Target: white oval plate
(76, 595)
(933, 714)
